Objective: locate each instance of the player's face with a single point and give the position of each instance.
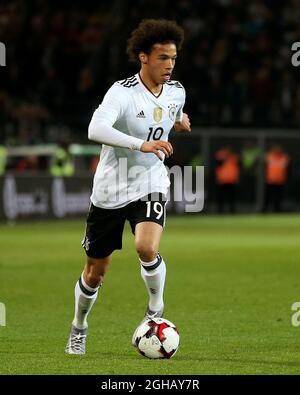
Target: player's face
(161, 62)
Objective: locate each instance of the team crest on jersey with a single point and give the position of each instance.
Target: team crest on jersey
(172, 111)
(157, 114)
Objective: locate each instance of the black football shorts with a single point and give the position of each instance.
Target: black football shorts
(104, 227)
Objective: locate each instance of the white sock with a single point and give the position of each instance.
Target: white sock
(85, 297)
(154, 276)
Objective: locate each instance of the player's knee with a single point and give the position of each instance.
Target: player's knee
(93, 279)
(146, 252)
(95, 271)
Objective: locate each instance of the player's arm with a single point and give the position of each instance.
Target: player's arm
(182, 121)
(156, 146)
(184, 125)
(101, 128)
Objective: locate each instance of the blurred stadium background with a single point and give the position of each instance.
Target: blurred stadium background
(242, 93)
(243, 98)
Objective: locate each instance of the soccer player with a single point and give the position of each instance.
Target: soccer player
(131, 182)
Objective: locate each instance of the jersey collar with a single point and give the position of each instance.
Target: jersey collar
(145, 86)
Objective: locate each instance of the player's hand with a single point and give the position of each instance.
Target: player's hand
(184, 125)
(156, 147)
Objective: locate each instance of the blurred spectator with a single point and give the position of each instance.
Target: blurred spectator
(249, 157)
(277, 163)
(62, 162)
(227, 177)
(28, 164)
(262, 91)
(3, 157)
(287, 98)
(196, 161)
(63, 56)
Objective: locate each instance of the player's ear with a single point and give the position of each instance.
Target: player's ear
(143, 57)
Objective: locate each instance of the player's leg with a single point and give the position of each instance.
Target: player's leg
(86, 292)
(153, 268)
(147, 220)
(103, 236)
(86, 289)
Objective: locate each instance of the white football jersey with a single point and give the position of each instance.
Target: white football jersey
(124, 175)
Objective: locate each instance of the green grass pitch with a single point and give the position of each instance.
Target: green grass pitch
(231, 282)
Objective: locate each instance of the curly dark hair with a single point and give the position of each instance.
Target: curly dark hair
(153, 31)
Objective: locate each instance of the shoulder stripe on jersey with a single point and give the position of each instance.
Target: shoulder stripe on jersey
(127, 80)
(176, 84)
(129, 84)
(133, 84)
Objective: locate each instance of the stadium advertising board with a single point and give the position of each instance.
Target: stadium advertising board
(43, 197)
(28, 197)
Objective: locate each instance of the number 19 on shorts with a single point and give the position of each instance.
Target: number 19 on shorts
(155, 209)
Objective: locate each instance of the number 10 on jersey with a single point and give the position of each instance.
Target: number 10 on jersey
(155, 134)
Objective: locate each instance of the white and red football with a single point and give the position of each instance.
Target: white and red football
(156, 338)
